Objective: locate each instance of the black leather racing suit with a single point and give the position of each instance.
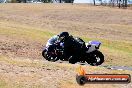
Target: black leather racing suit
(72, 49)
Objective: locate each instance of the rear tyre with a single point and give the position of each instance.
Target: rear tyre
(96, 58)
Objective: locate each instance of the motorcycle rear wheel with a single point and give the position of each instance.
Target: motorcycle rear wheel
(96, 58)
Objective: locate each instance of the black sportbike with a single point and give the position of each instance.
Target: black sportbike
(92, 55)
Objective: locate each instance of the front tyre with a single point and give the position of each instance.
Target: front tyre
(96, 58)
(49, 56)
(44, 54)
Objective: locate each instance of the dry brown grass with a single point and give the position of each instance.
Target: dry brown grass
(92, 21)
(25, 28)
(27, 73)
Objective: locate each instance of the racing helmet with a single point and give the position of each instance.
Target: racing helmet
(63, 35)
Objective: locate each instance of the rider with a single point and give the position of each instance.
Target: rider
(52, 40)
(72, 47)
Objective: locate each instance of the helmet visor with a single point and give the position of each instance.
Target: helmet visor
(61, 38)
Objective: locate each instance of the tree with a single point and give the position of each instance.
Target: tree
(46, 1)
(101, 2)
(119, 4)
(68, 1)
(94, 2)
(126, 3)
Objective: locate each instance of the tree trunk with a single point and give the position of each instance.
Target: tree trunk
(126, 3)
(113, 3)
(119, 4)
(101, 2)
(123, 3)
(94, 2)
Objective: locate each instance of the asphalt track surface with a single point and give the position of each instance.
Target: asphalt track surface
(106, 66)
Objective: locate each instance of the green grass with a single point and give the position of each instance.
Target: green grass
(117, 45)
(117, 49)
(23, 31)
(3, 84)
(26, 33)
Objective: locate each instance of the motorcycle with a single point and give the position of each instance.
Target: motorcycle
(92, 55)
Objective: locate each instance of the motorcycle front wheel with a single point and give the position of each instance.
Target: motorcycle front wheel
(44, 54)
(48, 56)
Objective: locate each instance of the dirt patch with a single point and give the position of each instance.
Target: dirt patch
(20, 48)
